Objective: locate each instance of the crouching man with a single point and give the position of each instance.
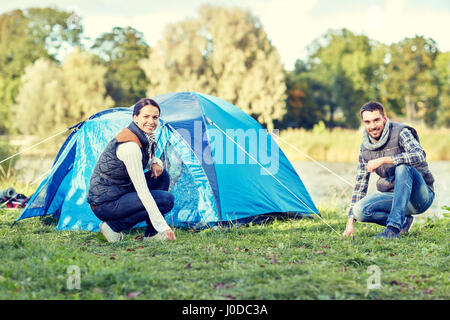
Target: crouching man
(405, 183)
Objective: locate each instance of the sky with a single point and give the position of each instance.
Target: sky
(291, 25)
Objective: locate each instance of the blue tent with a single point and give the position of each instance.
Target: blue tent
(224, 167)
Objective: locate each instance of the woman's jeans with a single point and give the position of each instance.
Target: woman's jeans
(411, 196)
(127, 211)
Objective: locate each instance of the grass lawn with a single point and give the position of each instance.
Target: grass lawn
(292, 259)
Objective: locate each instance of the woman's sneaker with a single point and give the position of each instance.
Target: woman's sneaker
(409, 221)
(109, 233)
(158, 236)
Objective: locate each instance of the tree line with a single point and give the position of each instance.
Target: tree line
(50, 78)
(344, 70)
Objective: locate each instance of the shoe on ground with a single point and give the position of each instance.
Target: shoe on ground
(388, 234)
(109, 233)
(409, 221)
(159, 236)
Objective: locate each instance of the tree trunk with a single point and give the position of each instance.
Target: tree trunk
(332, 109)
(410, 108)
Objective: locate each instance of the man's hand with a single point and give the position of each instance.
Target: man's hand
(349, 228)
(170, 235)
(157, 170)
(372, 165)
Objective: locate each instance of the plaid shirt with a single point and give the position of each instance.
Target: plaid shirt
(414, 154)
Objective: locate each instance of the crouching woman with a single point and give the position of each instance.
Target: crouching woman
(121, 195)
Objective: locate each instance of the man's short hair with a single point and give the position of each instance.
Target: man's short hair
(372, 106)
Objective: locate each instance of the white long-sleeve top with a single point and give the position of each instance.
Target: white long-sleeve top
(130, 154)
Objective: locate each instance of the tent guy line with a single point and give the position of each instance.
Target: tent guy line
(72, 128)
(35, 145)
(271, 133)
(238, 145)
(42, 176)
(312, 159)
(209, 191)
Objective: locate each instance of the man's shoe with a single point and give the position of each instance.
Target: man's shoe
(109, 233)
(159, 236)
(388, 234)
(408, 224)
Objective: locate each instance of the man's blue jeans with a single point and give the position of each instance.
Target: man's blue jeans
(127, 211)
(411, 196)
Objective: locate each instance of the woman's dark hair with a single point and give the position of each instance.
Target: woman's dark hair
(372, 106)
(144, 102)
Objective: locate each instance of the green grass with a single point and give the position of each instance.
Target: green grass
(291, 259)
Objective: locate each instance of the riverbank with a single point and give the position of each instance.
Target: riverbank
(330, 184)
(337, 145)
(342, 145)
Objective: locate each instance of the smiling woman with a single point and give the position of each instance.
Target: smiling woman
(146, 114)
(120, 193)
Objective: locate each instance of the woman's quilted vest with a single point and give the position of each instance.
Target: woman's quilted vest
(110, 179)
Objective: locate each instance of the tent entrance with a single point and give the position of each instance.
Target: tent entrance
(194, 205)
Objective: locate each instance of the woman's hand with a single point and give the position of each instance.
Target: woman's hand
(157, 170)
(170, 235)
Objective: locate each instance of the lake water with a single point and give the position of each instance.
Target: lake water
(326, 189)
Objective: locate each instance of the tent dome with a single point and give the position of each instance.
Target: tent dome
(224, 167)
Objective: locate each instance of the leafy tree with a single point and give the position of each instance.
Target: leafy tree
(41, 100)
(120, 51)
(52, 29)
(15, 53)
(307, 98)
(442, 67)
(84, 84)
(53, 97)
(411, 85)
(348, 65)
(26, 36)
(224, 52)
